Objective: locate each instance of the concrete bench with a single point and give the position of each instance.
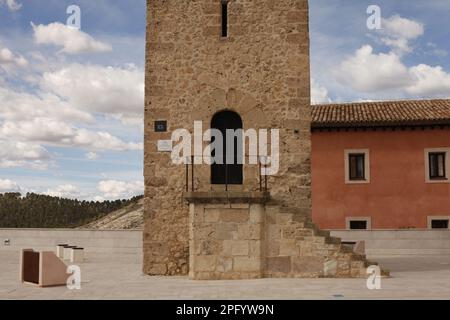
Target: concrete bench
(73, 254)
(77, 255)
(43, 269)
(60, 250)
(68, 252)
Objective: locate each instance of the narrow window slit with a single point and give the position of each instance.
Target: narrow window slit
(224, 18)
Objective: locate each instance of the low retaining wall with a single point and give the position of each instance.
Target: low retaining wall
(95, 241)
(378, 242)
(400, 242)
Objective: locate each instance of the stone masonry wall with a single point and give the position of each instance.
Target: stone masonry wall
(249, 241)
(260, 71)
(227, 241)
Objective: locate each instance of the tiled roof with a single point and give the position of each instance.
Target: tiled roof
(387, 113)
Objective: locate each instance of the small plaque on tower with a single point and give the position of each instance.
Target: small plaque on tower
(161, 126)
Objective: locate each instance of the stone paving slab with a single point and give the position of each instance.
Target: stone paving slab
(107, 276)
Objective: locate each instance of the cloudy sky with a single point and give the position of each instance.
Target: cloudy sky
(71, 101)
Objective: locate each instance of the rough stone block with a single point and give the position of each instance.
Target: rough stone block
(240, 206)
(330, 268)
(278, 264)
(289, 248)
(217, 206)
(283, 218)
(204, 232)
(204, 263)
(224, 264)
(157, 248)
(295, 231)
(246, 264)
(272, 248)
(212, 215)
(273, 232)
(235, 215)
(198, 214)
(255, 248)
(210, 247)
(249, 232)
(157, 269)
(226, 231)
(308, 264)
(256, 213)
(240, 248)
(297, 16)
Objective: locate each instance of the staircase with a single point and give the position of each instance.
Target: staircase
(296, 247)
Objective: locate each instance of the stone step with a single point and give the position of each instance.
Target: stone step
(333, 240)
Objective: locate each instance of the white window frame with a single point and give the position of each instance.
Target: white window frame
(368, 220)
(447, 165)
(431, 218)
(366, 153)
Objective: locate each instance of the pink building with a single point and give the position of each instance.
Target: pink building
(381, 165)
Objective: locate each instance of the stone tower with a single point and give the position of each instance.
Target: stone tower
(211, 58)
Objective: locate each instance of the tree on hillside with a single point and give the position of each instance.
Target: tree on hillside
(42, 211)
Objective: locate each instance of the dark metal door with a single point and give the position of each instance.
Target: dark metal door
(230, 173)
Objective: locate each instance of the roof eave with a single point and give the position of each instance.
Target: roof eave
(380, 124)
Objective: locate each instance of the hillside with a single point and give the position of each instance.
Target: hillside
(43, 211)
(127, 218)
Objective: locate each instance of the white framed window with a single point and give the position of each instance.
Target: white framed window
(439, 222)
(357, 166)
(437, 165)
(358, 223)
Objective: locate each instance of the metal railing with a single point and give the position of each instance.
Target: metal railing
(190, 167)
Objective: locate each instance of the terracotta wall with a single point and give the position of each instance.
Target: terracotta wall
(397, 195)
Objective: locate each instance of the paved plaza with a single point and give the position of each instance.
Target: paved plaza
(119, 276)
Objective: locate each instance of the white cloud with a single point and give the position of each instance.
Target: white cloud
(9, 60)
(64, 191)
(399, 27)
(72, 40)
(25, 106)
(103, 141)
(114, 189)
(22, 154)
(48, 119)
(319, 94)
(92, 156)
(398, 32)
(53, 132)
(366, 71)
(8, 186)
(114, 91)
(11, 4)
(430, 81)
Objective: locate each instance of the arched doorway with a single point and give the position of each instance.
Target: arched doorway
(227, 173)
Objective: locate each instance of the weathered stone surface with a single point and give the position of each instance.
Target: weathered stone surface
(278, 265)
(289, 248)
(260, 71)
(247, 264)
(226, 231)
(204, 263)
(308, 265)
(240, 248)
(224, 265)
(157, 269)
(256, 213)
(212, 215)
(235, 215)
(249, 232)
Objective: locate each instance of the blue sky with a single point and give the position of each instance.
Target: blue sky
(71, 101)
